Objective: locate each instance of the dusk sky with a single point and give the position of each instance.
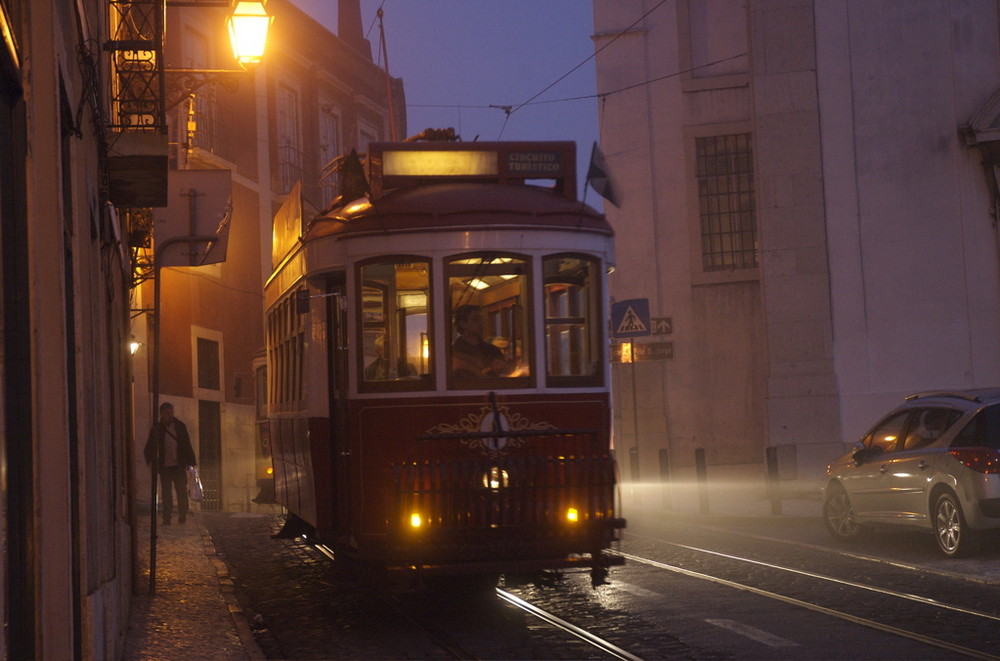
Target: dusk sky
(459, 57)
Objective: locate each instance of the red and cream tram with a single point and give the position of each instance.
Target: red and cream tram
(439, 391)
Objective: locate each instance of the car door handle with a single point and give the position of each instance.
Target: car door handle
(883, 469)
(923, 465)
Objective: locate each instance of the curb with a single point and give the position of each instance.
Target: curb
(228, 591)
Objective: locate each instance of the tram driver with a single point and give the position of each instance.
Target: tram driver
(471, 355)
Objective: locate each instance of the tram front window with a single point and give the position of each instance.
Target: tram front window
(394, 326)
(489, 326)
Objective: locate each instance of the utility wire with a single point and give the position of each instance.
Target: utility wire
(587, 59)
(509, 109)
(590, 57)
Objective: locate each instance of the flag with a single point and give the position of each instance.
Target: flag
(599, 178)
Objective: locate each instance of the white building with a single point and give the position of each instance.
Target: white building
(801, 200)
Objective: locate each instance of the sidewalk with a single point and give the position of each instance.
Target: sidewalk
(193, 613)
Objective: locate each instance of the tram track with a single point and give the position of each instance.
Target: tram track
(458, 650)
(804, 589)
(584, 635)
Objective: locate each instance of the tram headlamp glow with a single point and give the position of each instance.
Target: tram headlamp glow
(496, 478)
(572, 515)
(416, 520)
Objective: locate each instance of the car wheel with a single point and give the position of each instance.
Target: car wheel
(838, 515)
(954, 537)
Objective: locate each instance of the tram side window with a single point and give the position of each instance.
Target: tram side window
(572, 324)
(285, 348)
(490, 339)
(395, 341)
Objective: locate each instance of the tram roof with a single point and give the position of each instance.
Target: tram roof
(455, 205)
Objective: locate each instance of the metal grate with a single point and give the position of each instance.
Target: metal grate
(726, 202)
(524, 492)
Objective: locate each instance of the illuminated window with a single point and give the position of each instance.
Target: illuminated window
(395, 325)
(572, 322)
(726, 202)
(490, 339)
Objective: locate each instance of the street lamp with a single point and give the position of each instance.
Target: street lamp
(248, 26)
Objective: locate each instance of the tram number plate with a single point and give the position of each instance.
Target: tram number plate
(641, 352)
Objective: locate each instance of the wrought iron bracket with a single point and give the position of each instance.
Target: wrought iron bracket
(182, 84)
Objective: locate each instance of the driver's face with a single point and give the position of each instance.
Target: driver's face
(474, 323)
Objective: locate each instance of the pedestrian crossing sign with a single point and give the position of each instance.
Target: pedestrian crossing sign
(630, 318)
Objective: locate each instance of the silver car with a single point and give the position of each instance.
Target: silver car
(933, 463)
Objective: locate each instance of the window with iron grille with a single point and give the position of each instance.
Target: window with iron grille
(726, 202)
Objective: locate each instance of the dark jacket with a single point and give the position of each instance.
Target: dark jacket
(185, 453)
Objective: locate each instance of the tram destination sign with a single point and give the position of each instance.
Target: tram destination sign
(535, 163)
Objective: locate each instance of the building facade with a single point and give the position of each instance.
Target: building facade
(276, 130)
(805, 202)
(66, 572)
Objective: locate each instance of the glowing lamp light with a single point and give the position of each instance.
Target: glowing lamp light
(572, 515)
(133, 345)
(248, 26)
(270, 470)
(496, 478)
(627, 355)
(416, 520)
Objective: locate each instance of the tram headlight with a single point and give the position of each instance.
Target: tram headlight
(572, 515)
(496, 478)
(416, 520)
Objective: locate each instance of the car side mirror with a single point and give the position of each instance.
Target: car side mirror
(865, 454)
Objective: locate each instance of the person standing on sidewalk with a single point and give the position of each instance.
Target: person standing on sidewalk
(170, 446)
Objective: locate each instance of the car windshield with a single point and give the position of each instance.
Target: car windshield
(982, 431)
